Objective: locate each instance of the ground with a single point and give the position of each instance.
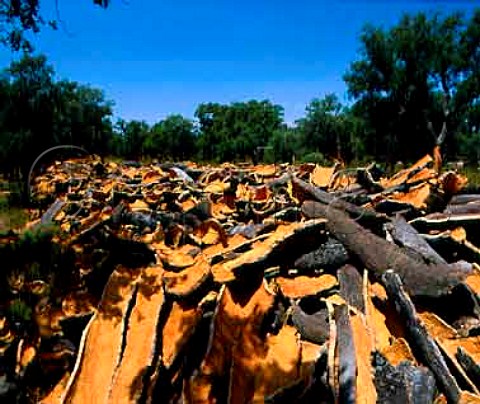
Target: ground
(10, 216)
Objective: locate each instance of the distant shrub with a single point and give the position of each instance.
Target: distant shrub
(38, 256)
(314, 157)
(18, 310)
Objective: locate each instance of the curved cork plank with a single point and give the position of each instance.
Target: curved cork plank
(417, 196)
(281, 365)
(104, 341)
(365, 386)
(298, 237)
(321, 176)
(231, 369)
(141, 338)
(301, 286)
(180, 325)
(184, 283)
(404, 175)
(55, 395)
(78, 362)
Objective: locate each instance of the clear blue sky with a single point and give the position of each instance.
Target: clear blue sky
(157, 57)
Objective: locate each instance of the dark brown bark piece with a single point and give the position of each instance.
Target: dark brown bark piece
(367, 217)
(311, 327)
(390, 207)
(404, 383)
(419, 338)
(442, 222)
(452, 248)
(464, 208)
(329, 256)
(406, 235)
(463, 199)
(347, 360)
(378, 254)
(282, 247)
(472, 369)
(351, 286)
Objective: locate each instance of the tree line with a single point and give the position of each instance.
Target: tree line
(412, 86)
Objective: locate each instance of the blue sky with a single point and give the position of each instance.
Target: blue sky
(157, 57)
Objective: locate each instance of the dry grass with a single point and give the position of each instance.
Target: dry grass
(473, 175)
(11, 217)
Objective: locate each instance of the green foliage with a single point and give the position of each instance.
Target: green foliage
(130, 138)
(82, 116)
(21, 18)
(33, 245)
(173, 138)
(35, 240)
(330, 129)
(416, 83)
(473, 175)
(37, 112)
(314, 157)
(11, 215)
(235, 131)
(18, 310)
(36, 255)
(470, 146)
(281, 145)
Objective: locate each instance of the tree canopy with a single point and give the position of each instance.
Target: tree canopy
(236, 131)
(418, 82)
(413, 86)
(18, 18)
(38, 112)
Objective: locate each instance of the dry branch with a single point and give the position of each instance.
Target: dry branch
(420, 338)
(377, 254)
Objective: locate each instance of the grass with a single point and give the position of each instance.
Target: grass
(11, 217)
(473, 175)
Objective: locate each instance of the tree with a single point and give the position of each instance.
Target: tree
(82, 116)
(282, 144)
(319, 130)
(37, 112)
(18, 18)
(235, 131)
(133, 136)
(172, 138)
(331, 129)
(415, 82)
(28, 110)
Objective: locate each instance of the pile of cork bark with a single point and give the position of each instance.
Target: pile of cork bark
(242, 284)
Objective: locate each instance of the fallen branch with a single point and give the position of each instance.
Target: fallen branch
(351, 286)
(419, 337)
(377, 254)
(347, 372)
(367, 217)
(471, 368)
(405, 235)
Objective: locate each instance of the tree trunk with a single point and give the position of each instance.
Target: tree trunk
(377, 254)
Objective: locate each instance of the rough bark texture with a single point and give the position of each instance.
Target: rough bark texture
(377, 254)
(351, 286)
(328, 257)
(419, 337)
(406, 235)
(347, 362)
